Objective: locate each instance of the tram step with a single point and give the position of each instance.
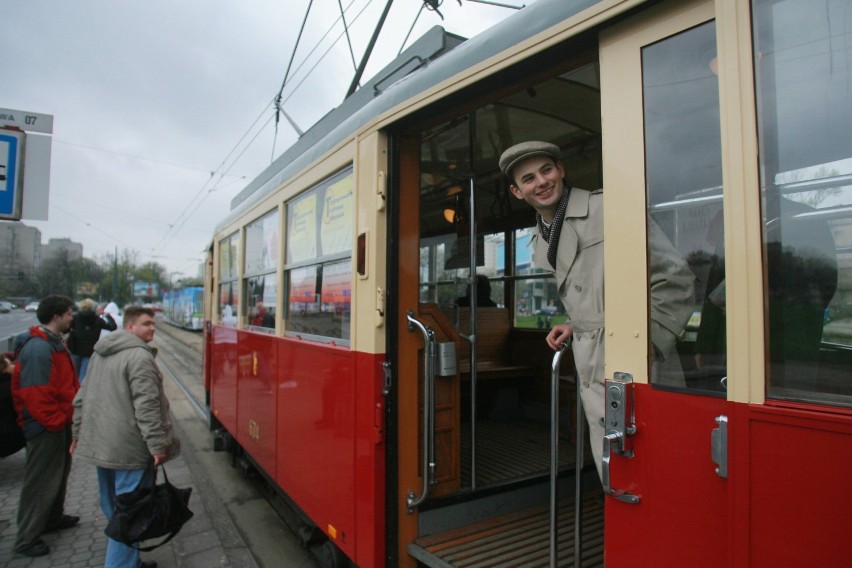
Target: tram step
(520, 539)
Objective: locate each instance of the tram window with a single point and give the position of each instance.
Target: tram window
(229, 299)
(468, 147)
(320, 300)
(683, 167)
(229, 295)
(445, 269)
(802, 65)
(261, 282)
(537, 302)
(318, 269)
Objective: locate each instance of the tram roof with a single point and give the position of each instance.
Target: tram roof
(433, 58)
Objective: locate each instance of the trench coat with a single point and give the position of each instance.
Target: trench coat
(579, 275)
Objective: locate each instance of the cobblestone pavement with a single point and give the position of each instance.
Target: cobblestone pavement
(207, 540)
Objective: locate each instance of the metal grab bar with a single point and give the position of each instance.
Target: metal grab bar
(429, 353)
(554, 462)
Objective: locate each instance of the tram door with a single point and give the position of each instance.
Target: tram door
(725, 134)
(663, 182)
(476, 443)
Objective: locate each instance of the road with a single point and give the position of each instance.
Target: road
(13, 323)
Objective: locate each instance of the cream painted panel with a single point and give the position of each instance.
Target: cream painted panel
(625, 264)
(368, 334)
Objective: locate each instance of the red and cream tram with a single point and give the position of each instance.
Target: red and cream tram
(407, 428)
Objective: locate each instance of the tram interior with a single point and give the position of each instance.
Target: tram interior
(503, 439)
(519, 302)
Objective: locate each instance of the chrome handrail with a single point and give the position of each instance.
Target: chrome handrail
(429, 353)
(554, 463)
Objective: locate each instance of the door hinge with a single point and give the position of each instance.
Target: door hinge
(387, 367)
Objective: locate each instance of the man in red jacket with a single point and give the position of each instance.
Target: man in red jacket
(43, 387)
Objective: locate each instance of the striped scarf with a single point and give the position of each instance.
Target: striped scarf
(555, 227)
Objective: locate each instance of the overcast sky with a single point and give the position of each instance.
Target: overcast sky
(150, 98)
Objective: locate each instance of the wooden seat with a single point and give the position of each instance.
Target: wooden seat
(493, 330)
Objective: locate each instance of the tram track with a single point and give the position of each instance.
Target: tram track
(179, 355)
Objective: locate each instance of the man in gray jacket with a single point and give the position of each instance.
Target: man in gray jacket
(123, 381)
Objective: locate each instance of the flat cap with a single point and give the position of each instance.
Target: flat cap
(510, 158)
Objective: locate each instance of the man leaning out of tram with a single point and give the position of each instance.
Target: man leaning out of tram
(568, 242)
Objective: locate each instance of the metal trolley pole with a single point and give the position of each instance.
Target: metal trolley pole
(554, 464)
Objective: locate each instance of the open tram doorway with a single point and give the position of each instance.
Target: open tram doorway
(466, 269)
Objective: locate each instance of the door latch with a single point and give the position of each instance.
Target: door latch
(619, 428)
(719, 446)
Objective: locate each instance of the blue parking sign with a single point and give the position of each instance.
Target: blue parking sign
(10, 160)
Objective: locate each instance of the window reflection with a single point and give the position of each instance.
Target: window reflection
(802, 61)
(262, 298)
(229, 295)
(320, 299)
(684, 192)
(318, 273)
(229, 299)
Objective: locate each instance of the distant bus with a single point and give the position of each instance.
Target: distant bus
(185, 308)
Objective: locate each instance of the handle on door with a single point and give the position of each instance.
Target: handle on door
(429, 356)
(619, 427)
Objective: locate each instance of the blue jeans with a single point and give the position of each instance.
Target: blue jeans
(81, 364)
(112, 482)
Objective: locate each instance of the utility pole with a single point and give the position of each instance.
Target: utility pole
(115, 274)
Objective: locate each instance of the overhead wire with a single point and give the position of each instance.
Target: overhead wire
(278, 109)
(308, 73)
(348, 39)
(411, 29)
(126, 155)
(194, 204)
(279, 98)
(181, 223)
(168, 235)
(90, 225)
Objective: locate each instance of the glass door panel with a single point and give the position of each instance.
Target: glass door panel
(802, 72)
(683, 177)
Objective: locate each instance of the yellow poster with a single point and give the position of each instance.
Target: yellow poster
(302, 229)
(336, 231)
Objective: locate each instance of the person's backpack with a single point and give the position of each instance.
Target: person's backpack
(149, 512)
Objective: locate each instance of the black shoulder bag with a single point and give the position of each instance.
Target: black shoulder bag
(149, 512)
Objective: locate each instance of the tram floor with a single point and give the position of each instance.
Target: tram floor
(509, 450)
(519, 539)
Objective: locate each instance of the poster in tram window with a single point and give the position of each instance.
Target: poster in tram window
(302, 228)
(336, 227)
(303, 290)
(262, 244)
(337, 287)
